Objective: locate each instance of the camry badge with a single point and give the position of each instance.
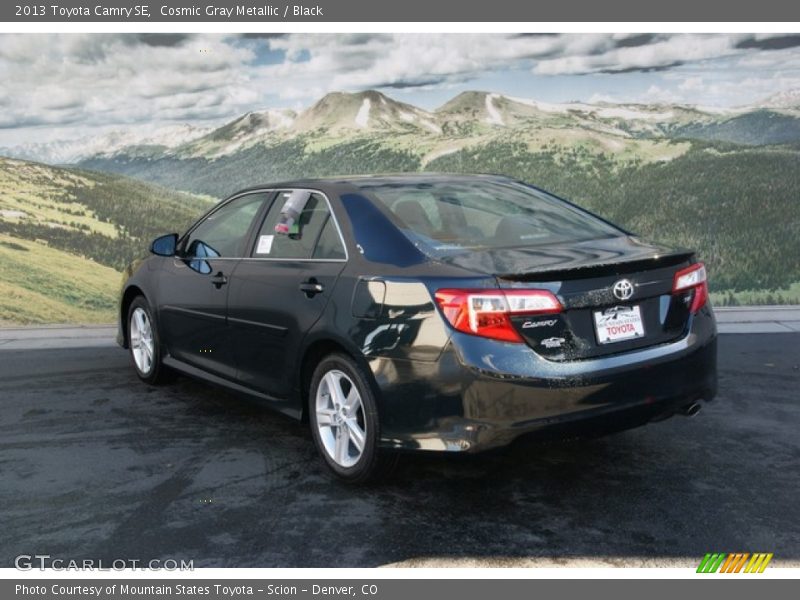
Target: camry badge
(623, 289)
(546, 323)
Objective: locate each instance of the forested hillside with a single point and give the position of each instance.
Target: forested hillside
(66, 233)
(737, 205)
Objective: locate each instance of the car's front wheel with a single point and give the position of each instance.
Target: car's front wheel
(144, 343)
(344, 420)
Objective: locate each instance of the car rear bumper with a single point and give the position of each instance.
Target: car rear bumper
(482, 394)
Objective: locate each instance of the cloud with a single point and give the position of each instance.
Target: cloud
(262, 36)
(360, 61)
(658, 53)
(692, 84)
(640, 69)
(160, 40)
(107, 79)
(780, 42)
(636, 40)
(124, 79)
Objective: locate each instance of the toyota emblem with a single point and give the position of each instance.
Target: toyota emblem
(623, 289)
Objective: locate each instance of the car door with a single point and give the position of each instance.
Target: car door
(193, 286)
(280, 291)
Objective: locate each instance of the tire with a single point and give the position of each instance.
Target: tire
(144, 343)
(343, 415)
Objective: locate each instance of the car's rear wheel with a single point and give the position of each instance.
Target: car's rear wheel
(144, 343)
(344, 420)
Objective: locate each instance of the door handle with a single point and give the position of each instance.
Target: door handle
(219, 280)
(311, 287)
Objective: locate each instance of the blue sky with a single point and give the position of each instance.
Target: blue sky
(66, 85)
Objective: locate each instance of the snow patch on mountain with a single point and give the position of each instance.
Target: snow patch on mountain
(494, 118)
(362, 117)
(408, 117)
(431, 126)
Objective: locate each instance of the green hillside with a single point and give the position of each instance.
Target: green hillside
(737, 205)
(757, 128)
(259, 164)
(39, 284)
(65, 234)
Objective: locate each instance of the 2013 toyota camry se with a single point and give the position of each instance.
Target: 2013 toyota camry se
(424, 312)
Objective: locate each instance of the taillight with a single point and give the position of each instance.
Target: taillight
(692, 278)
(487, 312)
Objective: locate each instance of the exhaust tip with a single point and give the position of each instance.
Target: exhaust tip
(691, 410)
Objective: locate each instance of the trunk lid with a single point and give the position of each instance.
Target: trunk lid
(582, 276)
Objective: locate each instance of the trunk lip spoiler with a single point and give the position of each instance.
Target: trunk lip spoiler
(601, 269)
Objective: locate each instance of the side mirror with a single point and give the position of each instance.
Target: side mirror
(165, 245)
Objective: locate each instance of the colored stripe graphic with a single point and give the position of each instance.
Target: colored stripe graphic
(758, 563)
(735, 562)
(741, 562)
(711, 563)
(728, 561)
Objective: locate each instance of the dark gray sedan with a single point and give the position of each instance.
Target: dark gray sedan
(424, 312)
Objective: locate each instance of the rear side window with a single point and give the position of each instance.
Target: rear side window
(443, 217)
(329, 245)
(313, 235)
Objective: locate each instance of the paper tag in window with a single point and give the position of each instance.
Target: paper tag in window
(265, 244)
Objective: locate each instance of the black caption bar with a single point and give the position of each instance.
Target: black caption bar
(379, 589)
(264, 11)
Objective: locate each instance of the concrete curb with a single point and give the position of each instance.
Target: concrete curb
(57, 336)
(739, 319)
(758, 319)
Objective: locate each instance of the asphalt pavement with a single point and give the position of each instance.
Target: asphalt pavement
(95, 464)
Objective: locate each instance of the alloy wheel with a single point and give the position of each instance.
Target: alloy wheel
(341, 422)
(142, 346)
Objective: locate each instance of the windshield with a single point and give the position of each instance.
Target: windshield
(443, 217)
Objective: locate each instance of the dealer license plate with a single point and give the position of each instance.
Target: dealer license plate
(618, 324)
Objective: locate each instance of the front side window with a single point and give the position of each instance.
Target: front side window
(313, 233)
(223, 233)
(443, 217)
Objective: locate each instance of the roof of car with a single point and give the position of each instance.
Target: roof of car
(347, 183)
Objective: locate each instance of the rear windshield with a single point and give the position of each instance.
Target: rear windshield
(451, 217)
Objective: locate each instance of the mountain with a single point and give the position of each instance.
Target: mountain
(334, 117)
(249, 129)
(340, 117)
(66, 233)
(340, 112)
(788, 99)
(487, 108)
(646, 131)
(71, 151)
(357, 131)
